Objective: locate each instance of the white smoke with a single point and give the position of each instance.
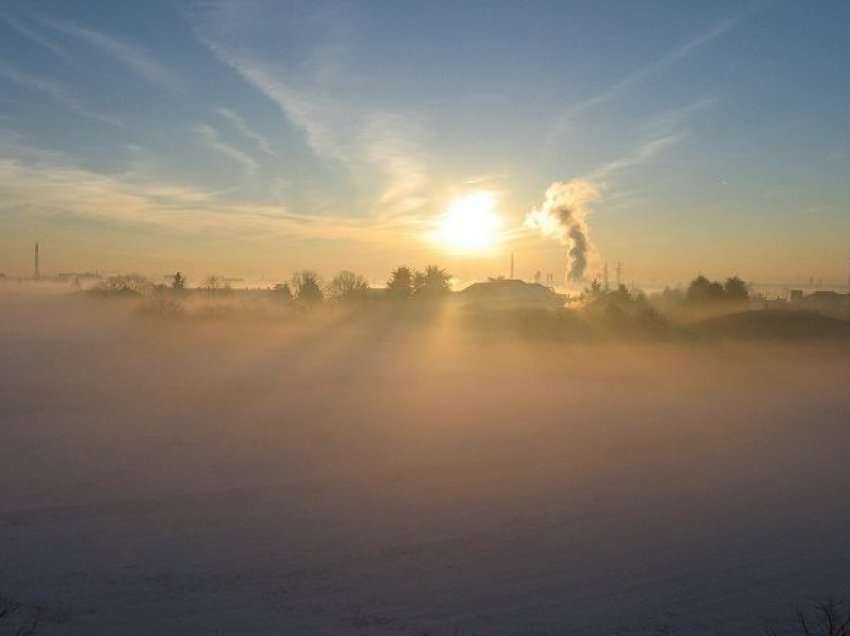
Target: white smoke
(563, 215)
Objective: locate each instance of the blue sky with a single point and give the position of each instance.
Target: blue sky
(254, 138)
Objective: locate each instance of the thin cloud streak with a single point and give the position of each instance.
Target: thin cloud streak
(241, 125)
(210, 137)
(358, 139)
(134, 57)
(306, 111)
(646, 151)
(49, 184)
(55, 92)
(36, 37)
(672, 57)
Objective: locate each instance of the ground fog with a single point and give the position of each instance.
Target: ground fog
(330, 476)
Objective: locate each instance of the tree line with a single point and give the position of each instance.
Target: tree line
(304, 287)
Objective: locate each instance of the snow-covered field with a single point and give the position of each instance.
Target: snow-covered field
(248, 478)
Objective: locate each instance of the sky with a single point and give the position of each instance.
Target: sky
(254, 139)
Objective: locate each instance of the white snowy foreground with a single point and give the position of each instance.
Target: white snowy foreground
(216, 477)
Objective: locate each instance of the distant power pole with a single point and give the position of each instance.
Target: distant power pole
(36, 272)
(619, 274)
(605, 276)
(512, 265)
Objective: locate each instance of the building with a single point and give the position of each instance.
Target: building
(828, 303)
(511, 293)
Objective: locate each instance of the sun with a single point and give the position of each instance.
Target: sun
(470, 224)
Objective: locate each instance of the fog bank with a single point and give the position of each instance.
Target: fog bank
(330, 477)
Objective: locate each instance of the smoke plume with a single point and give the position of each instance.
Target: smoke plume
(563, 215)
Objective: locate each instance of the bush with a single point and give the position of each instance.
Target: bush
(130, 285)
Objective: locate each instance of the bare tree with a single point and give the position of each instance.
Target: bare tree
(216, 286)
(829, 618)
(307, 287)
(348, 286)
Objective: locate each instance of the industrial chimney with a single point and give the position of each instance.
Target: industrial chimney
(36, 271)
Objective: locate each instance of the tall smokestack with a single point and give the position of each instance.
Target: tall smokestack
(36, 271)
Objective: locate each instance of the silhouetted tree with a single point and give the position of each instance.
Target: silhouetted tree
(216, 286)
(178, 282)
(622, 293)
(400, 284)
(307, 287)
(672, 295)
(348, 286)
(703, 290)
(736, 289)
(433, 282)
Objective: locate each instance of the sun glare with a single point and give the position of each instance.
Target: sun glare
(470, 224)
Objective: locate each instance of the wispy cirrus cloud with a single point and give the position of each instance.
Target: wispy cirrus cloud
(312, 113)
(242, 126)
(371, 142)
(211, 138)
(644, 152)
(46, 183)
(34, 36)
(55, 91)
(659, 134)
(388, 142)
(136, 58)
(640, 75)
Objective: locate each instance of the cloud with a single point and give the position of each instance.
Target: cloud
(239, 124)
(210, 136)
(644, 152)
(138, 59)
(673, 56)
(36, 37)
(348, 135)
(387, 140)
(37, 182)
(55, 92)
(305, 109)
(369, 142)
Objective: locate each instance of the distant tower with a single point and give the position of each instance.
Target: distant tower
(605, 276)
(619, 274)
(36, 272)
(512, 265)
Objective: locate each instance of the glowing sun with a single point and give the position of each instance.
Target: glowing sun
(470, 224)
